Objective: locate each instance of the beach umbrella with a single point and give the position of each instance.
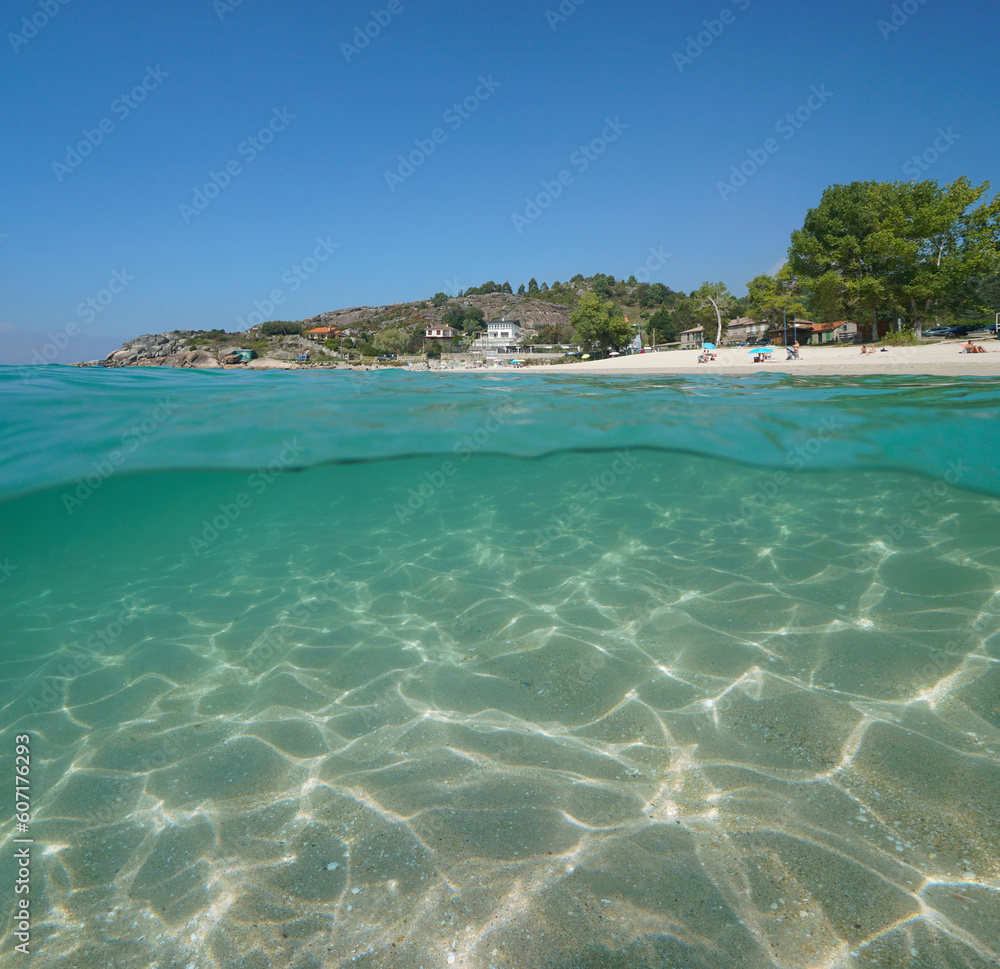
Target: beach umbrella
(709, 346)
(761, 350)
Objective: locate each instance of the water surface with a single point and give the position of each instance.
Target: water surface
(418, 670)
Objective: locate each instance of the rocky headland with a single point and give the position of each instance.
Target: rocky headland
(215, 349)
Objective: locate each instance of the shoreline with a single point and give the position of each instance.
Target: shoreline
(938, 359)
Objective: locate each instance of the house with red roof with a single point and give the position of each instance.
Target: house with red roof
(322, 333)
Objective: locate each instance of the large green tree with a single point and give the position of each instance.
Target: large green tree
(899, 248)
(391, 340)
(773, 298)
(662, 326)
(600, 323)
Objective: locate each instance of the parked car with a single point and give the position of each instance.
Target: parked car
(942, 331)
(385, 358)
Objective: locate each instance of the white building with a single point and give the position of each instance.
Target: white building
(509, 331)
(440, 333)
(500, 334)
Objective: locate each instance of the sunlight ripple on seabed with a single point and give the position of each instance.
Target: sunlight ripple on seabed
(666, 741)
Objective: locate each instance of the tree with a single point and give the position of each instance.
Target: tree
(506, 288)
(824, 298)
(453, 315)
(598, 321)
(601, 285)
(544, 288)
(900, 247)
(473, 319)
(390, 340)
(532, 286)
(520, 290)
(658, 293)
(716, 296)
(440, 299)
(662, 326)
(773, 298)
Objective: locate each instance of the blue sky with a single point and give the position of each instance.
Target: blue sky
(663, 104)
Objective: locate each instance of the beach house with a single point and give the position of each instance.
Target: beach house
(693, 338)
(506, 331)
(440, 332)
(322, 333)
(745, 330)
(790, 331)
(843, 331)
(501, 336)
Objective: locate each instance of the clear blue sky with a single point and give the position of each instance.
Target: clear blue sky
(551, 86)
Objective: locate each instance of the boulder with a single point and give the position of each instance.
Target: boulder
(269, 363)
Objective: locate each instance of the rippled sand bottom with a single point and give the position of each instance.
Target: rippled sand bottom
(597, 710)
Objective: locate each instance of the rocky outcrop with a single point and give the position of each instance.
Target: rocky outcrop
(161, 350)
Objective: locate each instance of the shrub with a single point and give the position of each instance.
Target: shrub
(280, 328)
(899, 338)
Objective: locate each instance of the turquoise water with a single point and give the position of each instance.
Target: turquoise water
(426, 670)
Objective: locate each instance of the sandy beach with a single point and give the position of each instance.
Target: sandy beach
(940, 359)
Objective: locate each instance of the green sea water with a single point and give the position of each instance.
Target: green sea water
(426, 670)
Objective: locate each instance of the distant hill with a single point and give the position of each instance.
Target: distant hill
(544, 313)
(533, 313)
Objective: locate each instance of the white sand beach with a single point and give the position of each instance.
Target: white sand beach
(940, 359)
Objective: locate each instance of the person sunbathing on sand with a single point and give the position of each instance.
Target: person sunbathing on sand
(864, 347)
